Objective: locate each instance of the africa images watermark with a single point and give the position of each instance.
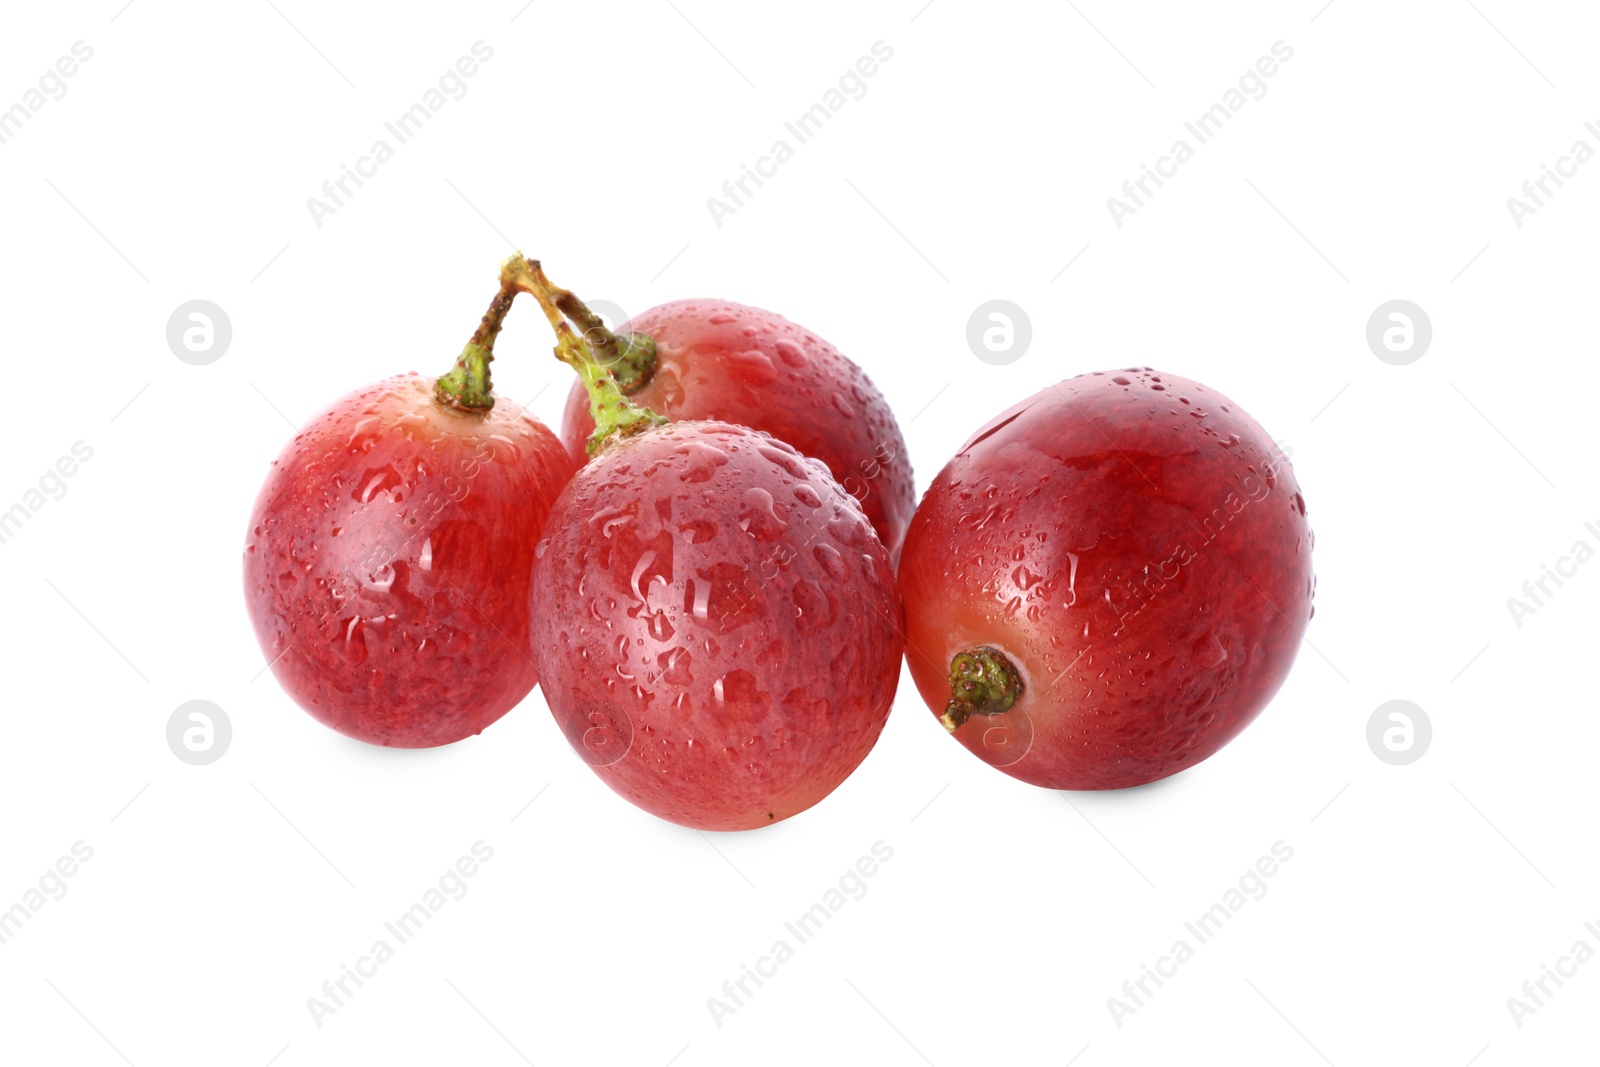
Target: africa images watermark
(1566, 567)
(1252, 885)
(337, 992)
(804, 127)
(52, 85)
(1538, 191)
(1203, 128)
(851, 885)
(1536, 992)
(52, 885)
(403, 128)
(52, 485)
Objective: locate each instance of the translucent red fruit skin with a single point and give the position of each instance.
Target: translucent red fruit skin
(719, 360)
(716, 625)
(1137, 546)
(389, 559)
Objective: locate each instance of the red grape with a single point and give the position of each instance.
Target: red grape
(391, 551)
(714, 359)
(1108, 582)
(714, 617)
(716, 625)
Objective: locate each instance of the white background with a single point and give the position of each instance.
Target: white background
(976, 166)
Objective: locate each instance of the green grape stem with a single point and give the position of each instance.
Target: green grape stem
(593, 353)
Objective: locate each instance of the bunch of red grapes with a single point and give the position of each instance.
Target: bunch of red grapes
(718, 566)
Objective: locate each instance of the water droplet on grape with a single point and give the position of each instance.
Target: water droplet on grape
(411, 424)
(698, 531)
(366, 432)
(1023, 578)
(751, 367)
(788, 461)
(675, 667)
(611, 519)
(351, 642)
(702, 461)
(740, 697)
(790, 353)
(758, 517)
(1209, 652)
(383, 479)
(659, 625)
(699, 594)
(831, 561)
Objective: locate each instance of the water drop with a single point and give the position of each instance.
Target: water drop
(702, 461)
(1023, 578)
(675, 666)
(790, 353)
(751, 367)
(1208, 652)
(831, 561)
(611, 519)
(758, 517)
(698, 531)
